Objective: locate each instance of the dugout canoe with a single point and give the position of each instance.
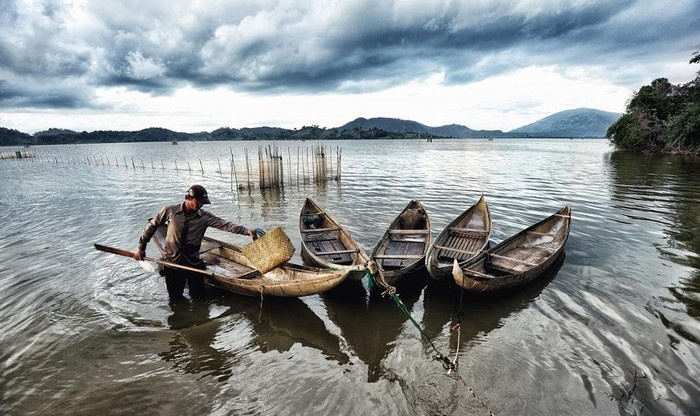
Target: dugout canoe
(326, 243)
(461, 240)
(229, 269)
(401, 249)
(518, 260)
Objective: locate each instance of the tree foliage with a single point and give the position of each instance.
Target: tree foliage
(661, 117)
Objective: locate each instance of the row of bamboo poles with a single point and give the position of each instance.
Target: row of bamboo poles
(18, 154)
(312, 165)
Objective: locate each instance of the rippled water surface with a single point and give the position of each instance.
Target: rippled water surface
(613, 329)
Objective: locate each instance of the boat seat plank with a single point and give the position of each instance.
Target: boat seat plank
(398, 256)
(320, 230)
(311, 238)
(409, 231)
(468, 230)
(329, 253)
(409, 240)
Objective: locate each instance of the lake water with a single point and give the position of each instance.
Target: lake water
(614, 329)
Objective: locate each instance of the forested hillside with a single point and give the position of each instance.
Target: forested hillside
(661, 117)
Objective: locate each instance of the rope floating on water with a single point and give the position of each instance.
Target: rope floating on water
(376, 276)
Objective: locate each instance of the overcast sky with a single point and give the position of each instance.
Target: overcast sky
(199, 65)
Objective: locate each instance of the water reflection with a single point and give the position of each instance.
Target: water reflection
(191, 348)
(476, 316)
(668, 185)
(283, 322)
(369, 323)
(277, 324)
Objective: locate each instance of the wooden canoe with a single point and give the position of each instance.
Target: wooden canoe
(462, 239)
(229, 269)
(326, 243)
(402, 248)
(518, 260)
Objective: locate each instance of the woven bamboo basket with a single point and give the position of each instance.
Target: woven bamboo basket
(269, 250)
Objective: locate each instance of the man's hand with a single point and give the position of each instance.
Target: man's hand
(139, 254)
(252, 234)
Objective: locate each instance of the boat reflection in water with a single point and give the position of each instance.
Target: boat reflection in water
(370, 323)
(277, 326)
(477, 315)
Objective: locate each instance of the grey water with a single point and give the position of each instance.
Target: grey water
(612, 329)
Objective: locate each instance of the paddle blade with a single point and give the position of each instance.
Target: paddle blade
(147, 266)
(457, 272)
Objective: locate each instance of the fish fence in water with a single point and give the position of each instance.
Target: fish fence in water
(312, 165)
(276, 168)
(18, 154)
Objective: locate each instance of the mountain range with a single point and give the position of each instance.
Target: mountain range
(580, 122)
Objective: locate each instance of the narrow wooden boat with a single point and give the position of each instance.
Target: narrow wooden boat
(517, 260)
(402, 248)
(462, 239)
(229, 269)
(328, 244)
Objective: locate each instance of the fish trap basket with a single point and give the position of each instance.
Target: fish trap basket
(269, 250)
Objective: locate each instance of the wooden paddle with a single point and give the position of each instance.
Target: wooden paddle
(127, 253)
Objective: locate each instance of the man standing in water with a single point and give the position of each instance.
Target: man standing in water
(186, 223)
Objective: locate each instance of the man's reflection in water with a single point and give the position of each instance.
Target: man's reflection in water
(191, 348)
(278, 325)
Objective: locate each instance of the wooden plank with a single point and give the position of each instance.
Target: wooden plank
(525, 262)
(409, 231)
(468, 230)
(313, 238)
(398, 256)
(409, 240)
(456, 250)
(320, 230)
(330, 253)
(538, 233)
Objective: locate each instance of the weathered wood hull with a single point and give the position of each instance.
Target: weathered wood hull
(402, 248)
(326, 243)
(232, 271)
(518, 260)
(462, 239)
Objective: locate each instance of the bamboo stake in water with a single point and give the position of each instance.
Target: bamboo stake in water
(233, 174)
(339, 151)
(261, 173)
(247, 165)
(289, 163)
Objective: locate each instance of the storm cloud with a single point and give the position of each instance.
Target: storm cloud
(58, 54)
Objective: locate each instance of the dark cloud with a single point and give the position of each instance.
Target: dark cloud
(56, 53)
(14, 96)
